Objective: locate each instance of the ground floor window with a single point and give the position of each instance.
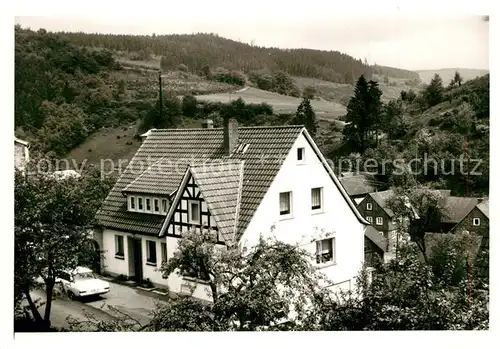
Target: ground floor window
(325, 251)
(119, 250)
(151, 252)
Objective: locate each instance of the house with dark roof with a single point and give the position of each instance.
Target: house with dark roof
(359, 184)
(374, 207)
(477, 221)
(239, 182)
(456, 208)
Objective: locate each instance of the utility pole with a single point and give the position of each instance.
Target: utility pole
(467, 153)
(161, 95)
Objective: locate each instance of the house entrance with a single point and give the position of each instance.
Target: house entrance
(135, 259)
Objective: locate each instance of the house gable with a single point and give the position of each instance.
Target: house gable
(178, 219)
(376, 211)
(219, 186)
(467, 223)
(299, 177)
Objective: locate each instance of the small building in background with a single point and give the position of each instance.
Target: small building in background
(21, 153)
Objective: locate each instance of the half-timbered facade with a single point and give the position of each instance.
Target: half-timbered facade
(240, 183)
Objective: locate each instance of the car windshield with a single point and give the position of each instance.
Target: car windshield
(84, 276)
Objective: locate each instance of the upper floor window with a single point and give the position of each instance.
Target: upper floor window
(379, 221)
(286, 203)
(148, 204)
(301, 154)
(194, 212)
(369, 219)
(368, 206)
(476, 222)
(325, 251)
(316, 198)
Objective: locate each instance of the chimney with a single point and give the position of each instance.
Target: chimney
(208, 123)
(230, 135)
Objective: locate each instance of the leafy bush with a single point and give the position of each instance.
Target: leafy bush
(230, 77)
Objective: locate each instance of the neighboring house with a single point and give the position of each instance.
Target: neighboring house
(239, 182)
(359, 184)
(477, 221)
(456, 208)
(21, 153)
(374, 208)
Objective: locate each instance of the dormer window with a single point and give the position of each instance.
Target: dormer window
(154, 205)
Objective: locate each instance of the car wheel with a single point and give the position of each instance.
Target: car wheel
(71, 295)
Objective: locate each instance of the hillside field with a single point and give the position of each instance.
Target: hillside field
(280, 103)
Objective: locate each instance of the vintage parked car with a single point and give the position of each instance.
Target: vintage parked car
(82, 282)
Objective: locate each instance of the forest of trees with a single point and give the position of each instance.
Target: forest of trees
(395, 72)
(64, 93)
(199, 51)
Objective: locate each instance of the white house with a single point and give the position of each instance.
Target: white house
(21, 153)
(238, 181)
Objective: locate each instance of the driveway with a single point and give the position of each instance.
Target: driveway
(136, 303)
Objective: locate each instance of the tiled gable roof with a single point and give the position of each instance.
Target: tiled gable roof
(358, 185)
(178, 145)
(220, 184)
(456, 208)
(484, 207)
(267, 149)
(381, 198)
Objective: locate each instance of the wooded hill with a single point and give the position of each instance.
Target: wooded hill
(199, 51)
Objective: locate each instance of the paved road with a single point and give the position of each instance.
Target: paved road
(133, 302)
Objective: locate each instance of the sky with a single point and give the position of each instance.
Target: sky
(402, 40)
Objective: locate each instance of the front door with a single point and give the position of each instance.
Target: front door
(137, 246)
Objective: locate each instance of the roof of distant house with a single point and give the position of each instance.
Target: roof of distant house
(484, 207)
(456, 208)
(358, 184)
(375, 237)
(20, 141)
(382, 199)
(161, 162)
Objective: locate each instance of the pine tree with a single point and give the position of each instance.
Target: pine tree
(433, 93)
(458, 78)
(363, 114)
(305, 116)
